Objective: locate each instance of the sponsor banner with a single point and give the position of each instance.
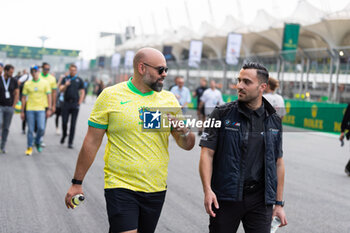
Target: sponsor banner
(115, 60)
(14, 51)
(129, 57)
(290, 41)
(318, 116)
(92, 64)
(233, 48)
(195, 53)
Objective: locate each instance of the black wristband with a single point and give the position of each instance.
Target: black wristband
(280, 203)
(74, 181)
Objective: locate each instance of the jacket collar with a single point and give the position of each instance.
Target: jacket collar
(268, 107)
(269, 110)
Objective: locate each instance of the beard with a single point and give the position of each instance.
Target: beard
(248, 97)
(156, 85)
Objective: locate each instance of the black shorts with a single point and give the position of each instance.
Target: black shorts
(129, 210)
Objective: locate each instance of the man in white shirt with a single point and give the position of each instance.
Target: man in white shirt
(211, 98)
(275, 99)
(182, 93)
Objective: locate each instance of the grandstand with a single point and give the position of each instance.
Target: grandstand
(322, 59)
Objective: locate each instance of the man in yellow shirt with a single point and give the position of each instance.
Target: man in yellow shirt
(45, 75)
(136, 156)
(36, 93)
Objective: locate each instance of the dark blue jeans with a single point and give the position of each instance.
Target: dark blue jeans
(35, 118)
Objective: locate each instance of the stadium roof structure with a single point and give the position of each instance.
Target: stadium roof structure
(319, 29)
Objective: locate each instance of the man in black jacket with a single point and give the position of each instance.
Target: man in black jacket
(9, 95)
(73, 88)
(241, 164)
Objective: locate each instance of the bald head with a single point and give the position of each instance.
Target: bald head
(148, 55)
(150, 69)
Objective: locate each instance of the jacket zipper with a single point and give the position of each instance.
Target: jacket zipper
(241, 177)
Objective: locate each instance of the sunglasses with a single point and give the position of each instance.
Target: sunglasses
(46, 69)
(160, 69)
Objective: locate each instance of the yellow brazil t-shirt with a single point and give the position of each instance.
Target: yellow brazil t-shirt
(52, 81)
(36, 93)
(135, 158)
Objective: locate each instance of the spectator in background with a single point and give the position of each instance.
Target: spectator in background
(1, 68)
(73, 88)
(18, 75)
(45, 74)
(198, 93)
(175, 82)
(86, 88)
(59, 103)
(182, 94)
(36, 95)
(99, 87)
(211, 98)
(9, 95)
(24, 78)
(275, 99)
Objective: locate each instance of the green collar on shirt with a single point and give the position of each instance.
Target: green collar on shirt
(137, 91)
(45, 76)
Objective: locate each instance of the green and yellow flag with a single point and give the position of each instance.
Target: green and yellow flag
(290, 41)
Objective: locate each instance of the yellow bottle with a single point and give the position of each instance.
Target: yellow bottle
(78, 199)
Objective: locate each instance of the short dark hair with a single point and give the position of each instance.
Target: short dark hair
(73, 65)
(262, 72)
(8, 67)
(45, 64)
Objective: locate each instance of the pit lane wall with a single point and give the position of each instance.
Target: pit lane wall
(325, 117)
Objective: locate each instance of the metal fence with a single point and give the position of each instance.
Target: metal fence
(311, 74)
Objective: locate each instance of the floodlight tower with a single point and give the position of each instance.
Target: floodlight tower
(188, 15)
(211, 13)
(43, 39)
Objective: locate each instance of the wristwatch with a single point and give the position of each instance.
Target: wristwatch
(74, 181)
(281, 203)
